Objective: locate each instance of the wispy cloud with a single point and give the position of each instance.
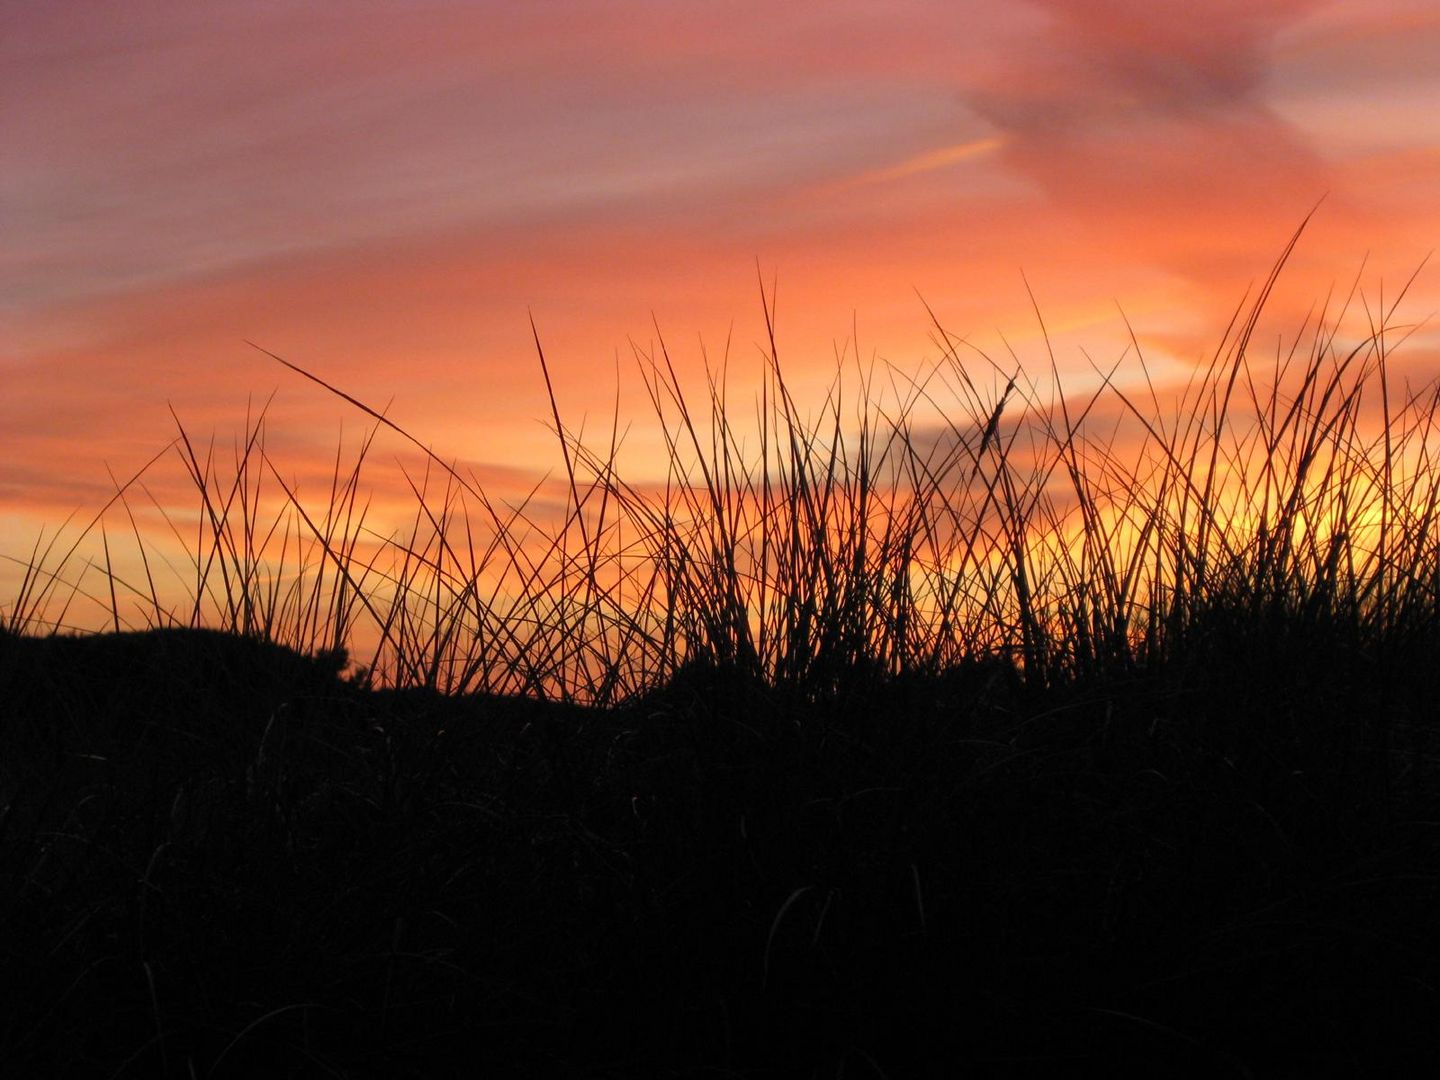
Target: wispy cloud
(925, 162)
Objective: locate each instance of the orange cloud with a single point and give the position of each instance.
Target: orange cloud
(928, 161)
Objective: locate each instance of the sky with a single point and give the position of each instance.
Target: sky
(387, 192)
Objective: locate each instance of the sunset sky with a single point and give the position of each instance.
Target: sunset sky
(385, 191)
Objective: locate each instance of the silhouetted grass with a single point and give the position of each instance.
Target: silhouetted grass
(958, 725)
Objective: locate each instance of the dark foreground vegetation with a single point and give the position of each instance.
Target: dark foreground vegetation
(225, 861)
(1008, 749)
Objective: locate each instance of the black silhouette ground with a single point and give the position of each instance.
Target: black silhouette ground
(220, 859)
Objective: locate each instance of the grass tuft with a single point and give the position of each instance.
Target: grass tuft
(954, 719)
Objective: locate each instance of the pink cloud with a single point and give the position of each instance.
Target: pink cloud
(1141, 122)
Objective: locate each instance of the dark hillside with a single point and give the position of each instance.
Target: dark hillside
(220, 859)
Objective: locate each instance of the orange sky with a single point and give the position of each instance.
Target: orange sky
(381, 192)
